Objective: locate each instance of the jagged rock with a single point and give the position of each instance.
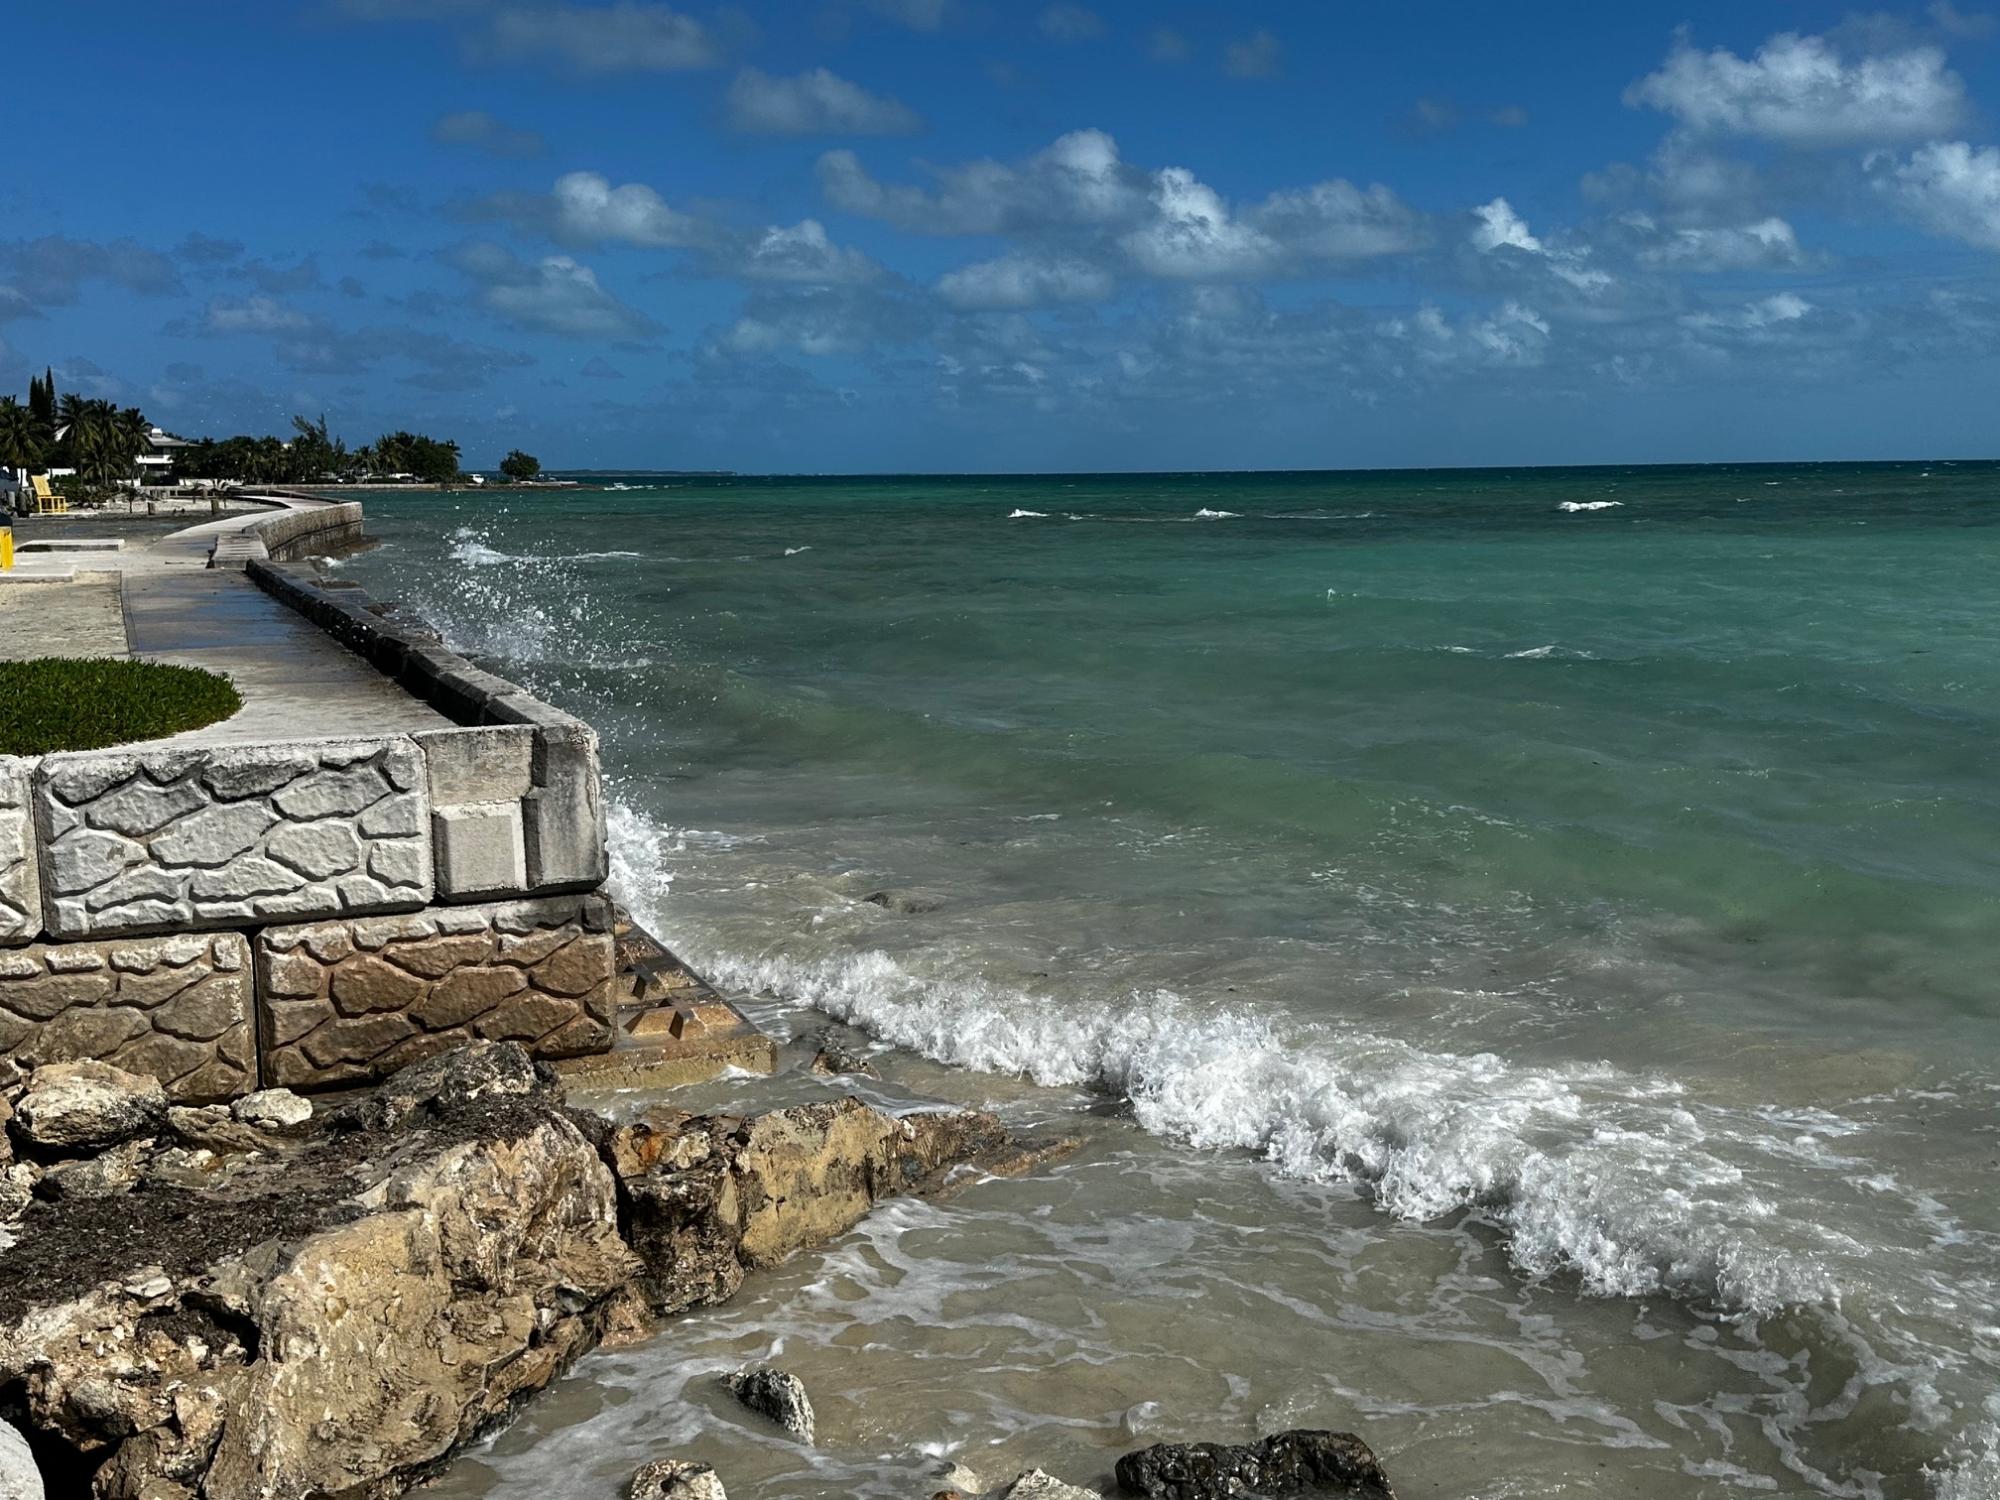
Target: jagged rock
(20, 1479)
(102, 1176)
(776, 1394)
(336, 1317)
(272, 1109)
(674, 1479)
(1035, 1485)
(82, 1106)
(465, 1075)
(834, 1061)
(708, 1197)
(1336, 1463)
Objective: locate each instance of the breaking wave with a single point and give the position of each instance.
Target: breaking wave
(1576, 505)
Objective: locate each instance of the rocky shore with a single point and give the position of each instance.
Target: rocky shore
(283, 1298)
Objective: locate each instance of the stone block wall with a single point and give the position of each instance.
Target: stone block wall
(350, 1000)
(20, 883)
(202, 837)
(177, 1008)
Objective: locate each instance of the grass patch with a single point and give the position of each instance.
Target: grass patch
(76, 703)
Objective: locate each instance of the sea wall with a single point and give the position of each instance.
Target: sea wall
(288, 533)
(313, 912)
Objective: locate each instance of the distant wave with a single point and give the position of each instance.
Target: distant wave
(1575, 505)
(1027, 515)
(468, 546)
(1542, 653)
(1205, 514)
(795, 551)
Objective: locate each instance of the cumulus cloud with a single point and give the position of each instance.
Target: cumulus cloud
(1755, 319)
(1767, 244)
(50, 271)
(628, 37)
(1164, 222)
(814, 103)
(1950, 187)
(555, 294)
(259, 314)
(1514, 334)
(1799, 91)
(1499, 228)
(1023, 281)
(1255, 56)
(481, 131)
(588, 210)
(804, 255)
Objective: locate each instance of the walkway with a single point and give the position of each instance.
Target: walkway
(162, 602)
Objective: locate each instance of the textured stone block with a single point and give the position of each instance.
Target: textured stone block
(20, 882)
(478, 851)
(345, 1001)
(153, 840)
(175, 1008)
(493, 763)
(563, 816)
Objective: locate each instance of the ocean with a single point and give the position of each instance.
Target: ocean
(1521, 949)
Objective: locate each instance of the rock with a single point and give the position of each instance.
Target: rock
(103, 1176)
(272, 1109)
(338, 1316)
(20, 1479)
(452, 1080)
(1035, 1485)
(777, 1395)
(1336, 1463)
(709, 1197)
(833, 1061)
(82, 1106)
(906, 903)
(673, 1479)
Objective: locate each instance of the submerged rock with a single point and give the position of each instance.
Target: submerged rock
(906, 903)
(776, 1394)
(1035, 1485)
(674, 1479)
(1337, 1463)
(834, 1060)
(81, 1106)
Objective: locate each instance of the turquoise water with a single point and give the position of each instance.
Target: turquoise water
(1599, 863)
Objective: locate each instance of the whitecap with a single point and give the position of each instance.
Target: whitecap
(1205, 514)
(1027, 515)
(795, 551)
(1576, 505)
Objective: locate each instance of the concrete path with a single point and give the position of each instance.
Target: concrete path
(162, 602)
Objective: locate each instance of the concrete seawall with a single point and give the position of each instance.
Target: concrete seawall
(226, 912)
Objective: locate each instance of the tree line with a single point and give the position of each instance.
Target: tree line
(103, 442)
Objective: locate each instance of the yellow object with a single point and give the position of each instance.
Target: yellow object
(6, 548)
(47, 501)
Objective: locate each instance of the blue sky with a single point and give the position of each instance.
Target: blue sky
(868, 235)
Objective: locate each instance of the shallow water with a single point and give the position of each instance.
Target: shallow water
(1522, 963)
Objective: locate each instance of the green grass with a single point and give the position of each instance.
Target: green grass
(73, 703)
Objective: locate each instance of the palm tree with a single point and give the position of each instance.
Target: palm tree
(20, 436)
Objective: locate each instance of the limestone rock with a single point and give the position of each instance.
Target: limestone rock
(20, 1479)
(272, 1109)
(674, 1479)
(452, 1080)
(1035, 1485)
(833, 1060)
(105, 1175)
(84, 1105)
(1336, 1463)
(776, 1394)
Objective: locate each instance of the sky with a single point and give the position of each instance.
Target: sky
(1007, 235)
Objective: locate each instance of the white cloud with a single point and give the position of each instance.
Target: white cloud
(628, 37)
(589, 210)
(1753, 318)
(1022, 281)
(1515, 334)
(805, 255)
(814, 103)
(1255, 56)
(1951, 188)
(556, 294)
(1798, 91)
(1070, 23)
(1500, 228)
(1165, 222)
(254, 315)
(1769, 243)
